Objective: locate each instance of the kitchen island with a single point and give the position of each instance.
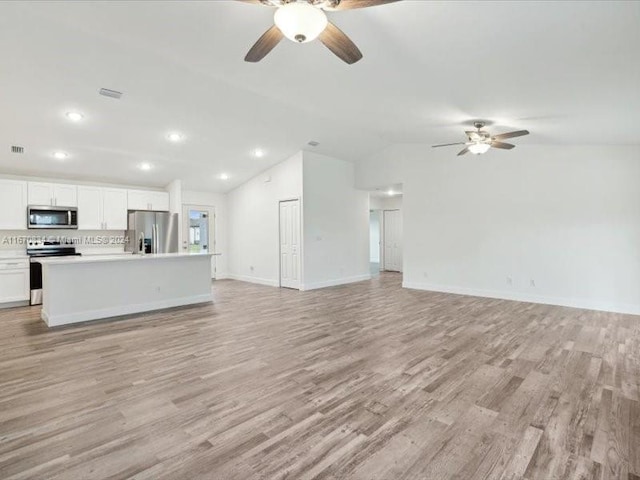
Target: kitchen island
(79, 289)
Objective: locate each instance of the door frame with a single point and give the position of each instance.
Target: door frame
(211, 233)
(383, 243)
(380, 214)
(300, 273)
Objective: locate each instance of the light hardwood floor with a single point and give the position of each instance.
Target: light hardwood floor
(367, 381)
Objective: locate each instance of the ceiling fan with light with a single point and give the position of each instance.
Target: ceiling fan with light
(302, 21)
(481, 141)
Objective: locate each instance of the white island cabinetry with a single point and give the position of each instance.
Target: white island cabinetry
(78, 289)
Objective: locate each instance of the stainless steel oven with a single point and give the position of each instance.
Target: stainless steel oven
(37, 249)
(44, 216)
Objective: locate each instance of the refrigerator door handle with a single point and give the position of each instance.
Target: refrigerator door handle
(157, 246)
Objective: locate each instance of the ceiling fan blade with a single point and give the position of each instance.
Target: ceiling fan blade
(266, 3)
(504, 136)
(264, 45)
(462, 152)
(351, 4)
(505, 146)
(335, 40)
(448, 144)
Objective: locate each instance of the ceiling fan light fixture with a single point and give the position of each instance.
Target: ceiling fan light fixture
(479, 148)
(300, 21)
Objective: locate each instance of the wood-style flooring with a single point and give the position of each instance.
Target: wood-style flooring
(366, 381)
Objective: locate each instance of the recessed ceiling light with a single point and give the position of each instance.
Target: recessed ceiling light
(145, 166)
(223, 176)
(60, 155)
(74, 116)
(259, 153)
(175, 137)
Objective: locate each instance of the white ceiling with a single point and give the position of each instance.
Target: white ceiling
(567, 71)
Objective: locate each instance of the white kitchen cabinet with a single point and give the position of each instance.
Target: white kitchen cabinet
(65, 195)
(13, 201)
(138, 200)
(40, 193)
(53, 194)
(159, 201)
(90, 208)
(114, 208)
(148, 200)
(102, 208)
(14, 280)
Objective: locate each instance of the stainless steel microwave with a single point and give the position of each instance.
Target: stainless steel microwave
(39, 216)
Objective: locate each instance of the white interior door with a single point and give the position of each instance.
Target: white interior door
(198, 223)
(290, 244)
(392, 240)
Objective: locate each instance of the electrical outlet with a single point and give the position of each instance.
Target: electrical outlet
(509, 281)
(251, 268)
(532, 282)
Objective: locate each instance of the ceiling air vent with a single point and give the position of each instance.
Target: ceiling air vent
(110, 93)
(17, 149)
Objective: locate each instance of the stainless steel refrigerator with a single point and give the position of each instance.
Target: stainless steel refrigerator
(155, 232)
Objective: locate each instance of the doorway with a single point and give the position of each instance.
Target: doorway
(375, 241)
(392, 240)
(198, 223)
(290, 244)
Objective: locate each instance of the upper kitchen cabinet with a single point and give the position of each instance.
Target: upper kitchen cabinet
(54, 194)
(90, 208)
(148, 200)
(114, 208)
(102, 208)
(13, 198)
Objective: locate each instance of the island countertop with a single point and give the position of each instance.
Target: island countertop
(83, 288)
(118, 257)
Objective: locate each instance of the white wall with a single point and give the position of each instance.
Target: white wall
(383, 168)
(566, 217)
(253, 211)
(336, 223)
(221, 229)
(375, 226)
(385, 203)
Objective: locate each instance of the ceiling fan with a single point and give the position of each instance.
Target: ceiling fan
(481, 141)
(302, 21)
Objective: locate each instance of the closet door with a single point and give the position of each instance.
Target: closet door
(392, 240)
(290, 244)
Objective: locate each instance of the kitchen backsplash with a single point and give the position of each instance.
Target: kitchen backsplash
(86, 241)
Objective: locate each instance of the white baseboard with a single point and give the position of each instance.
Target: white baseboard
(525, 297)
(19, 303)
(258, 280)
(116, 311)
(335, 282)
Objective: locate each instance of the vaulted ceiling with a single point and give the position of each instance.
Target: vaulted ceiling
(567, 71)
